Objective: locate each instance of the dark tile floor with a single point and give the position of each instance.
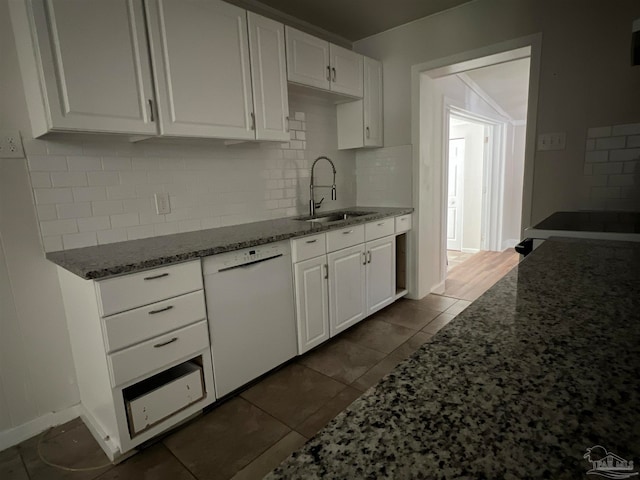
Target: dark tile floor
(249, 435)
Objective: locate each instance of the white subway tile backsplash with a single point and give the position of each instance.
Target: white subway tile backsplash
(599, 132)
(125, 220)
(84, 163)
(107, 207)
(591, 145)
(58, 227)
(52, 243)
(103, 178)
(607, 168)
(633, 141)
(79, 240)
(53, 195)
(106, 187)
(40, 180)
(631, 167)
(627, 154)
(74, 210)
(609, 143)
(621, 180)
(597, 156)
(93, 224)
(68, 179)
(47, 163)
(629, 129)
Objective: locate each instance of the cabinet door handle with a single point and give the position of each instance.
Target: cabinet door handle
(286, 119)
(312, 241)
(154, 277)
(334, 73)
(253, 121)
(364, 255)
(369, 257)
(347, 232)
(152, 116)
(326, 271)
(381, 224)
(160, 310)
(328, 73)
(158, 345)
(368, 133)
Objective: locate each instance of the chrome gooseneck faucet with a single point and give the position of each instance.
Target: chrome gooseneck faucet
(312, 203)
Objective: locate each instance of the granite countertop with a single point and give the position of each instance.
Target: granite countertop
(125, 257)
(541, 367)
(611, 225)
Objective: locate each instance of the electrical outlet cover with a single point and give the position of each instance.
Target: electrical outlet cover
(11, 144)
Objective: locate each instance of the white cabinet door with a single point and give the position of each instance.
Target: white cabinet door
(347, 292)
(346, 71)
(95, 65)
(269, 75)
(200, 56)
(372, 103)
(381, 273)
(307, 59)
(312, 302)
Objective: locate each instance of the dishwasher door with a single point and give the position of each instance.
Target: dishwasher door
(249, 295)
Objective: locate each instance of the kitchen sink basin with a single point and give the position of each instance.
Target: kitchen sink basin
(334, 217)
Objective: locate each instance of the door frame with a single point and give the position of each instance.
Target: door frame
(428, 271)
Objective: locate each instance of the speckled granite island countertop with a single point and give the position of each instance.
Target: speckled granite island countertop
(543, 366)
(134, 255)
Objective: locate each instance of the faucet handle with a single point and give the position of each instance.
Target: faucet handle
(319, 203)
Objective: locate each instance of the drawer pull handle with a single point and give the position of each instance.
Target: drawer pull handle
(326, 271)
(380, 224)
(364, 255)
(160, 310)
(157, 276)
(347, 232)
(369, 257)
(312, 241)
(158, 345)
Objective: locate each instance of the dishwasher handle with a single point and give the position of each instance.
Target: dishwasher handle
(248, 264)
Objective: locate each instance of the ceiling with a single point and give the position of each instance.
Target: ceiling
(357, 19)
(507, 84)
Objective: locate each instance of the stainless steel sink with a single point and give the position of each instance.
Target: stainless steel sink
(334, 217)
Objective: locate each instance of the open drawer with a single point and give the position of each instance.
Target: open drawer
(153, 400)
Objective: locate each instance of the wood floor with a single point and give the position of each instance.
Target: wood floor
(474, 276)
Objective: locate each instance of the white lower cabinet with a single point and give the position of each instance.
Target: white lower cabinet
(312, 302)
(141, 350)
(347, 292)
(381, 269)
(336, 290)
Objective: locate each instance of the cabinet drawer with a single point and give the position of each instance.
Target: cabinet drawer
(379, 229)
(403, 223)
(167, 393)
(146, 322)
(119, 294)
(345, 237)
(308, 247)
(153, 354)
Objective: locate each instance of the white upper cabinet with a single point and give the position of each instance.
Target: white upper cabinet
(372, 103)
(307, 59)
(200, 56)
(346, 71)
(318, 63)
(90, 71)
(269, 74)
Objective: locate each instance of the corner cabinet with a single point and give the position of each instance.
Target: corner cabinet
(317, 63)
(72, 82)
(360, 122)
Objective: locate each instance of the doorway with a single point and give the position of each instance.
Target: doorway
(433, 105)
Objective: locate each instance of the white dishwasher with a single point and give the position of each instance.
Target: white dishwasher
(249, 296)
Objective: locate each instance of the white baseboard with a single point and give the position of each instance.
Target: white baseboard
(438, 288)
(15, 435)
(469, 250)
(509, 243)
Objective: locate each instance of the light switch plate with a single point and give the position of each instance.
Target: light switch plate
(552, 141)
(11, 144)
(162, 203)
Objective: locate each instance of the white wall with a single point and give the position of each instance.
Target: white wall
(37, 376)
(585, 78)
(245, 183)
